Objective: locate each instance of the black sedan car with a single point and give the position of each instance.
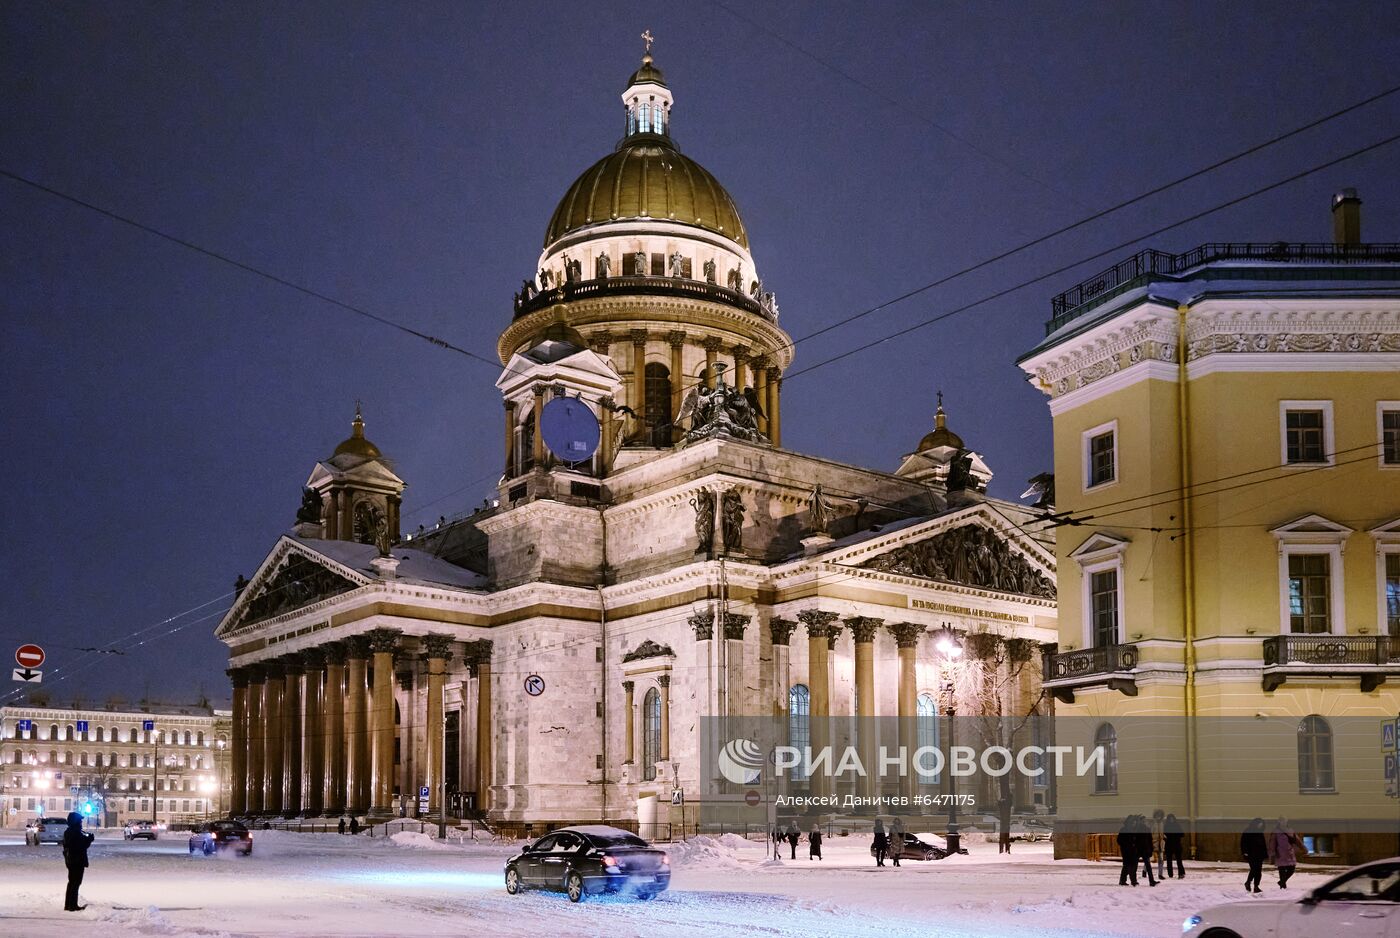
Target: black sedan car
(221, 835)
(916, 849)
(590, 859)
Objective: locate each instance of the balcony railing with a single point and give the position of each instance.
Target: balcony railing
(1110, 665)
(1138, 269)
(644, 286)
(1371, 657)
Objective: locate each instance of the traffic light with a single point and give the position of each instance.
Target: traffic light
(88, 809)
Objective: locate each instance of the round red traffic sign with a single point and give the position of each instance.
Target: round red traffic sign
(751, 798)
(29, 656)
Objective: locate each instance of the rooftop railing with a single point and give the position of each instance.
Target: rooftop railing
(645, 286)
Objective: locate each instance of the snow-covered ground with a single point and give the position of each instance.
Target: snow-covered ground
(326, 885)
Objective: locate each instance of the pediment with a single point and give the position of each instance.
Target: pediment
(1099, 545)
(1387, 533)
(370, 473)
(290, 578)
(970, 549)
(1312, 529)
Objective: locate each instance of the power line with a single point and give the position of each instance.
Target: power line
(1111, 250)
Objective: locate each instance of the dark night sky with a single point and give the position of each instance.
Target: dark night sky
(161, 410)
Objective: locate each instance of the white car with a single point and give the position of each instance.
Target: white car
(1363, 902)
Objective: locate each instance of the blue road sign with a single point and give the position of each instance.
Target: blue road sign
(24, 726)
(82, 726)
(423, 792)
(1388, 736)
(1390, 766)
(148, 724)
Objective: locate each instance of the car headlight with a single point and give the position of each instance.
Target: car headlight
(1191, 922)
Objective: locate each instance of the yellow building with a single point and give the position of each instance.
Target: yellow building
(1227, 465)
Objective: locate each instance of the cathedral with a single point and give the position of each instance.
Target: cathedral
(655, 556)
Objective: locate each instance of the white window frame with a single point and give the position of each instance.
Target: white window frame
(1313, 534)
(1387, 537)
(1381, 408)
(1086, 439)
(1096, 555)
(1329, 446)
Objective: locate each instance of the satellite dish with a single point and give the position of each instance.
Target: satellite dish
(569, 428)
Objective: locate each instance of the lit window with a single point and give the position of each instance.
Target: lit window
(1106, 739)
(926, 710)
(1309, 593)
(1315, 755)
(799, 726)
(1392, 593)
(651, 733)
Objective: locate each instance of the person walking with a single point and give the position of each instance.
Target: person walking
(814, 843)
(75, 857)
(1284, 846)
(354, 825)
(1143, 839)
(793, 837)
(882, 842)
(896, 840)
(1127, 850)
(1172, 836)
(1158, 846)
(1255, 851)
(341, 826)
(775, 840)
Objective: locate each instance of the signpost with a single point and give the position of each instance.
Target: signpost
(29, 657)
(81, 726)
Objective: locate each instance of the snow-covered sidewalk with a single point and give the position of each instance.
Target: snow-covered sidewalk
(326, 885)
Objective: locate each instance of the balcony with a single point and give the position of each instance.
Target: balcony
(1111, 666)
(642, 286)
(1371, 658)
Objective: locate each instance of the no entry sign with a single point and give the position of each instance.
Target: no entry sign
(29, 656)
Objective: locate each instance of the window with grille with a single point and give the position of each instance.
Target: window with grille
(1309, 593)
(1102, 462)
(1306, 436)
(926, 715)
(658, 404)
(1103, 596)
(1315, 755)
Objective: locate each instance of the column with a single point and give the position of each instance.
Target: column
(678, 380)
(537, 451)
(333, 729)
(238, 745)
(775, 423)
(780, 630)
(347, 518)
(253, 779)
(272, 738)
(818, 624)
(637, 390)
(382, 644)
(663, 681)
(760, 378)
(481, 658)
(510, 439)
(863, 630)
(313, 736)
(291, 736)
(332, 510)
(357, 726)
(712, 346)
(630, 732)
(606, 405)
(741, 357)
(734, 625)
(906, 636)
(704, 625)
(438, 653)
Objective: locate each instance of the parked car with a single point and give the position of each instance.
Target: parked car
(590, 859)
(1363, 902)
(45, 830)
(135, 830)
(214, 836)
(917, 849)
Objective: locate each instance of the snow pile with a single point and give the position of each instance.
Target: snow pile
(709, 852)
(733, 841)
(416, 841)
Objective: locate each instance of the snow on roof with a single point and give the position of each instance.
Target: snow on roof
(414, 565)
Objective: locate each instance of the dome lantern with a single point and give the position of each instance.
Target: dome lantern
(647, 101)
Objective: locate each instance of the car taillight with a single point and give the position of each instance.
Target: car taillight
(609, 861)
(665, 860)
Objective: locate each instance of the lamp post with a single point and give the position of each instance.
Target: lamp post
(220, 744)
(951, 649)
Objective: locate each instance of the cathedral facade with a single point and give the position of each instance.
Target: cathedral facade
(551, 658)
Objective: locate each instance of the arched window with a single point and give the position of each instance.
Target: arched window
(82, 758)
(1315, 755)
(101, 735)
(53, 731)
(199, 738)
(69, 734)
(187, 737)
(1106, 739)
(926, 712)
(799, 726)
(68, 757)
(651, 733)
(658, 404)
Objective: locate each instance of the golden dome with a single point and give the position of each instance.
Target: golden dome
(357, 445)
(940, 435)
(647, 178)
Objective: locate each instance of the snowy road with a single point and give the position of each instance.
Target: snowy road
(306, 885)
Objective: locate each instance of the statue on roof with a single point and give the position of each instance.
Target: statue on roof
(603, 266)
(310, 510)
(721, 411)
(820, 510)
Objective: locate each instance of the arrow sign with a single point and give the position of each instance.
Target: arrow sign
(28, 675)
(29, 656)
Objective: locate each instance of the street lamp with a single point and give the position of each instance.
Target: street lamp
(221, 743)
(950, 647)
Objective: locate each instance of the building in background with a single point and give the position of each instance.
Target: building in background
(550, 657)
(169, 764)
(1227, 446)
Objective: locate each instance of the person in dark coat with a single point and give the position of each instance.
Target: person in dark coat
(75, 857)
(1142, 836)
(896, 840)
(341, 826)
(1127, 849)
(354, 825)
(814, 844)
(1284, 847)
(792, 838)
(1172, 837)
(1255, 851)
(776, 839)
(882, 843)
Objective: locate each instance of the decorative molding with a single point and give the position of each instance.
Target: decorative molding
(704, 625)
(969, 554)
(863, 628)
(734, 625)
(383, 641)
(906, 634)
(780, 629)
(817, 621)
(648, 649)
